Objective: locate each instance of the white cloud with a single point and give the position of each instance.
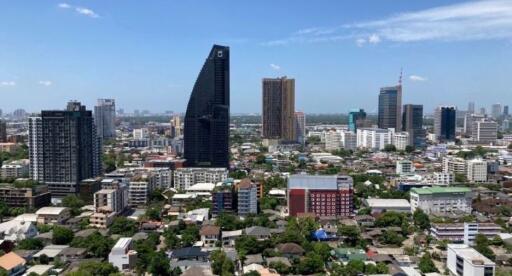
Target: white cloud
(64, 6)
(467, 21)
(478, 20)
(86, 12)
(373, 39)
(417, 78)
(7, 83)
(80, 10)
(45, 82)
(275, 66)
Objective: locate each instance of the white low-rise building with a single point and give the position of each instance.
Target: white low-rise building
(53, 215)
(374, 138)
(441, 199)
(379, 205)
(401, 140)
(476, 170)
(186, 177)
(122, 255)
(404, 167)
(465, 261)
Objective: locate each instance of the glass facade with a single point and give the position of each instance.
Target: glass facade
(206, 133)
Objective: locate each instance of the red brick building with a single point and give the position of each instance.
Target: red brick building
(323, 195)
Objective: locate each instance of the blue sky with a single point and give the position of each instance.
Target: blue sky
(147, 54)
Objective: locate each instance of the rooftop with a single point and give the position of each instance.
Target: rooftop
(469, 254)
(11, 260)
(440, 190)
(51, 210)
(384, 202)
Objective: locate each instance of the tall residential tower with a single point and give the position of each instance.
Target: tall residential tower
(278, 109)
(105, 117)
(64, 148)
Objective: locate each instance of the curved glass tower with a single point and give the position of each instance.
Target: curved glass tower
(206, 133)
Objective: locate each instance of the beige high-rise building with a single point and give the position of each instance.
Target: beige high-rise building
(279, 109)
(176, 126)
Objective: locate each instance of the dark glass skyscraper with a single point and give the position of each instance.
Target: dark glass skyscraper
(206, 133)
(412, 122)
(445, 123)
(390, 107)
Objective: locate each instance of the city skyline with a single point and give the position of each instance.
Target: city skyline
(333, 54)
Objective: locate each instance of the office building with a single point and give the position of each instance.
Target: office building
(300, 127)
(176, 129)
(122, 255)
(469, 119)
(30, 197)
(445, 123)
(496, 111)
(186, 177)
(463, 232)
(440, 178)
(105, 118)
(463, 260)
(401, 140)
(505, 111)
(15, 169)
(374, 138)
(332, 140)
(357, 119)
(485, 132)
(476, 170)
(206, 132)
(224, 200)
(482, 111)
(140, 133)
(138, 193)
(278, 109)
(441, 200)
(471, 108)
(390, 108)
(349, 140)
(412, 123)
(64, 149)
(247, 197)
(454, 165)
(3, 131)
(322, 195)
(404, 167)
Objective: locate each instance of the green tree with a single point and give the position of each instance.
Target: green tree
(221, 264)
(3, 272)
(409, 148)
(382, 268)
(312, 263)
(96, 244)
(74, 203)
(228, 222)
(322, 249)
(389, 148)
(389, 219)
(43, 259)
(280, 267)
(159, 264)
(510, 146)
(62, 235)
(30, 244)
(354, 267)
(482, 246)
(123, 226)
(350, 234)
(87, 268)
(426, 265)
(421, 219)
(392, 238)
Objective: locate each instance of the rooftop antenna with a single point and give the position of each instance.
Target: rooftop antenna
(400, 79)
